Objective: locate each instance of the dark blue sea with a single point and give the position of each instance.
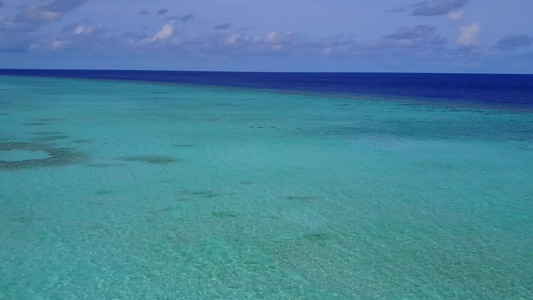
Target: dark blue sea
(514, 90)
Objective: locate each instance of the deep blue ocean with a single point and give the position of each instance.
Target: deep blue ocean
(514, 90)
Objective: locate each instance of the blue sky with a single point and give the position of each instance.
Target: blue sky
(475, 36)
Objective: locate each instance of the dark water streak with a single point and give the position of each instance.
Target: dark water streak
(512, 90)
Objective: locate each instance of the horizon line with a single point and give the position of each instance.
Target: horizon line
(237, 71)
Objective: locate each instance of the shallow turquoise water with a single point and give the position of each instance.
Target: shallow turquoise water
(122, 190)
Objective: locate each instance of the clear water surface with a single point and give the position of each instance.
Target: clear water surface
(132, 190)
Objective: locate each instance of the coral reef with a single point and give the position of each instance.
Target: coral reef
(151, 159)
(56, 156)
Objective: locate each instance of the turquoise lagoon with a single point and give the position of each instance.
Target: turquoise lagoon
(131, 190)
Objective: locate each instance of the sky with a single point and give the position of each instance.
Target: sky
(450, 36)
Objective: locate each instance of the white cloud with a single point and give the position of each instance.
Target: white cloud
(49, 12)
(166, 32)
(221, 43)
(162, 35)
(77, 37)
(455, 15)
(469, 35)
(83, 30)
(232, 39)
(437, 8)
(56, 45)
(82, 34)
(280, 38)
(271, 37)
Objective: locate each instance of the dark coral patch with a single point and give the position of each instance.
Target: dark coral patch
(224, 214)
(47, 133)
(56, 156)
(151, 159)
(104, 192)
(22, 219)
(36, 123)
(105, 165)
(50, 138)
(300, 198)
(318, 237)
(81, 141)
(202, 194)
(49, 120)
(167, 209)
